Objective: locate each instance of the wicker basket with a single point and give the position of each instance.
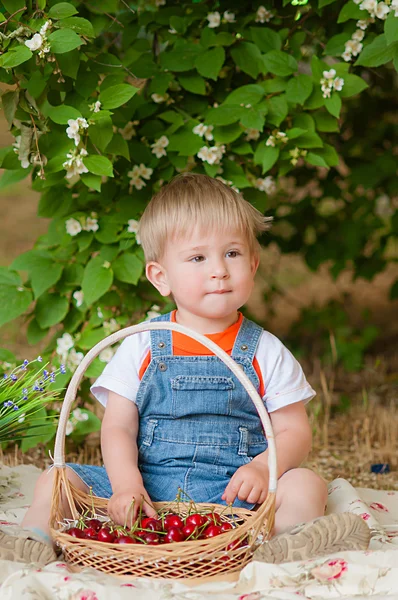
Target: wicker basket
(200, 558)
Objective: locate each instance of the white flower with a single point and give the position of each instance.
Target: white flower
(153, 312)
(128, 131)
(106, 355)
(99, 313)
(73, 227)
(370, 6)
(69, 427)
(137, 182)
(270, 141)
(79, 415)
(79, 297)
(362, 24)
(358, 35)
(214, 19)
(229, 17)
(252, 134)
(64, 344)
(266, 185)
(211, 155)
(158, 148)
(394, 6)
(111, 326)
(91, 224)
(338, 84)
(96, 106)
(354, 47)
(346, 55)
(281, 135)
(382, 10)
(74, 359)
(383, 208)
(74, 129)
(133, 226)
(22, 418)
(158, 98)
(329, 74)
(74, 165)
(35, 43)
(44, 27)
(263, 15)
(204, 130)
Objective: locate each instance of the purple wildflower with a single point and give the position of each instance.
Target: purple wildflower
(62, 369)
(16, 407)
(25, 362)
(14, 377)
(39, 359)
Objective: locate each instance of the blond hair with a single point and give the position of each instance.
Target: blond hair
(191, 199)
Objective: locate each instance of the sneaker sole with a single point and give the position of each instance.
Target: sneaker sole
(334, 533)
(25, 550)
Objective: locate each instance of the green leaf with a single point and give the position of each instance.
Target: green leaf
(310, 139)
(13, 176)
(101, 132)
(333, 104)
(9, 101)
(35, 333)
(62, 10)
(117, 95)
(91, 337)
(185, 142)
(78, 25)
(353, 85)
(209, 63)
(299, 88)
(36, 84)
(253, 119)
(128, 268)
(93, 182)
(97, 280)
(12, 5)
(266, 156)
(391, 28)
(295, 132)
(15, 56)
(13, 302)
(51, 309)
(64, 40)
(336, 44)
(179, 60)
(178, 23)
(62, 113)
(224, 115)
(266, 39)
(248, 58)
(277, 110)
(43, 271)
(118, 146)
(227, 134)
(376, 53)
(351, 11)
(99, 165)
(8, 277)
(315, 159)
(325, 122)
(193, 83)
(246, 94)
(280, 63)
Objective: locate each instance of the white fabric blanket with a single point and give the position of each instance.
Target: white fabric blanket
(348, 575)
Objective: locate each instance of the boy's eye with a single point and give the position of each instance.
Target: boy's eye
(197, 259)
(233, 253)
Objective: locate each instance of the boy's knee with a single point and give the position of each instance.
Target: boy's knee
(302, 478)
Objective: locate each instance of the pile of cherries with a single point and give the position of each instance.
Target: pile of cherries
(165, 529)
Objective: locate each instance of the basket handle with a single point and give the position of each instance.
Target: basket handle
(59, 450)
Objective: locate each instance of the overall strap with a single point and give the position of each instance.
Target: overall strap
(161, 339)
(247, 340)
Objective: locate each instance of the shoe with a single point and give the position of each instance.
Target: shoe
(320, 537)
(19, 549)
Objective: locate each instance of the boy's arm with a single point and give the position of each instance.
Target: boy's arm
(293, 439)
(120, 453)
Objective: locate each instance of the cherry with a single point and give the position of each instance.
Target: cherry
(90, 533)
(226, 526)
(152, 524)
(234, 545)
(76, 532)
(105, 535)
(212, 531)
(152, 539)
(174, 534)
(94, 523)
(213, 518)
(125, 539)
(195, 519)
(189, 530)
(173, 521)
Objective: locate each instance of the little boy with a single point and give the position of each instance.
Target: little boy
(176, 416)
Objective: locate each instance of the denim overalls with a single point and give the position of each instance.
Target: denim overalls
(198, 424)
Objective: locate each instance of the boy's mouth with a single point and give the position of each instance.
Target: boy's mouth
(221, 292)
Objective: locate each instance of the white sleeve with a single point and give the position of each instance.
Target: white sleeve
(284, 380)
(121, 374)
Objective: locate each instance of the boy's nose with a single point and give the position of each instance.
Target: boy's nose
(219, 272)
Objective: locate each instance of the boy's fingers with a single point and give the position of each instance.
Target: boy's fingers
(232, 490)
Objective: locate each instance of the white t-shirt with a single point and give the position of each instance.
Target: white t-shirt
(283, 377)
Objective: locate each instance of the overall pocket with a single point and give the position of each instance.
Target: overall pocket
(197, 395)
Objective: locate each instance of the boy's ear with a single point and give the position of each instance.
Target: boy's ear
(255, 261)
(156, 274)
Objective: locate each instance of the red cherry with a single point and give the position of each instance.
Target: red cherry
(90, 533)
(212, 531)
(213, 517)
(105, 535)
(76, 532)
(174, 534)
(226, 526)
(146, 520)
(234, 545)
(152, 539)
(195, 519)
(125, 539)
(173, 521)
(94, 523)
(189, 530)
(152, 524)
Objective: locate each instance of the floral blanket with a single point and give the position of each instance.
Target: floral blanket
(348, 575)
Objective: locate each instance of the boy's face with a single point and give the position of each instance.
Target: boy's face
(209, 274)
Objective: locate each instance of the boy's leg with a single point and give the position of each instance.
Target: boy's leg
(301, 531)
(33, 542)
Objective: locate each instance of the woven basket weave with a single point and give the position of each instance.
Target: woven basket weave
(197, 559)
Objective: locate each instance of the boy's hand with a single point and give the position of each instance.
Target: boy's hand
(249, 483)
(123, 510)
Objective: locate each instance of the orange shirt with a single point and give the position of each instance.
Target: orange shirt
(186, 346)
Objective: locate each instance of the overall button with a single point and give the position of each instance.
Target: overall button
(161, 345)
(162, 366)
(244, 347)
